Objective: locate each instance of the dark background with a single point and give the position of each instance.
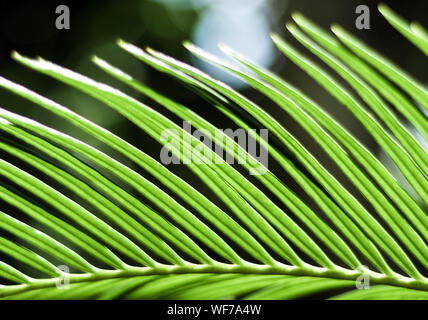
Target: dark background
(29, 28)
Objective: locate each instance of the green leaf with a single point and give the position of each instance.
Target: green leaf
(402, 79)
(418, 37)
(128, 235)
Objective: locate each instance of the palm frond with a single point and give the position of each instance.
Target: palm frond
(128, 235)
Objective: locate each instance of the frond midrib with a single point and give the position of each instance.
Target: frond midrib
(338, 273)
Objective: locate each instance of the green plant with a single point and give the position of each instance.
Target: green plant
(293, 253)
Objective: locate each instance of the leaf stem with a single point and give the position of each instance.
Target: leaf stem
(221, 268)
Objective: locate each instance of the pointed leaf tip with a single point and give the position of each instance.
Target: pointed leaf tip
(189, 46)
(298, 17)
(335, 28)
(14, 54)
(121, 43)
(274, 36)
(382, 7)
(291, 26)
(186, 43)
(226, 49)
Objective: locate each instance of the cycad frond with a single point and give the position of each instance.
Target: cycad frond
(166, 240)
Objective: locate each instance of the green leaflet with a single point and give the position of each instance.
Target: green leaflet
(143, 212)
(74, 211)
(10, 273)
(407, 141)
(365, 158)
(383, 293)
(104, 205)
(331, 209)
(268, 179)
(178, 186)
(409, 110)
(416, 34)
(46, 243)
(366, 187)
(362, 216)
(153, 123)
(402, 79)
